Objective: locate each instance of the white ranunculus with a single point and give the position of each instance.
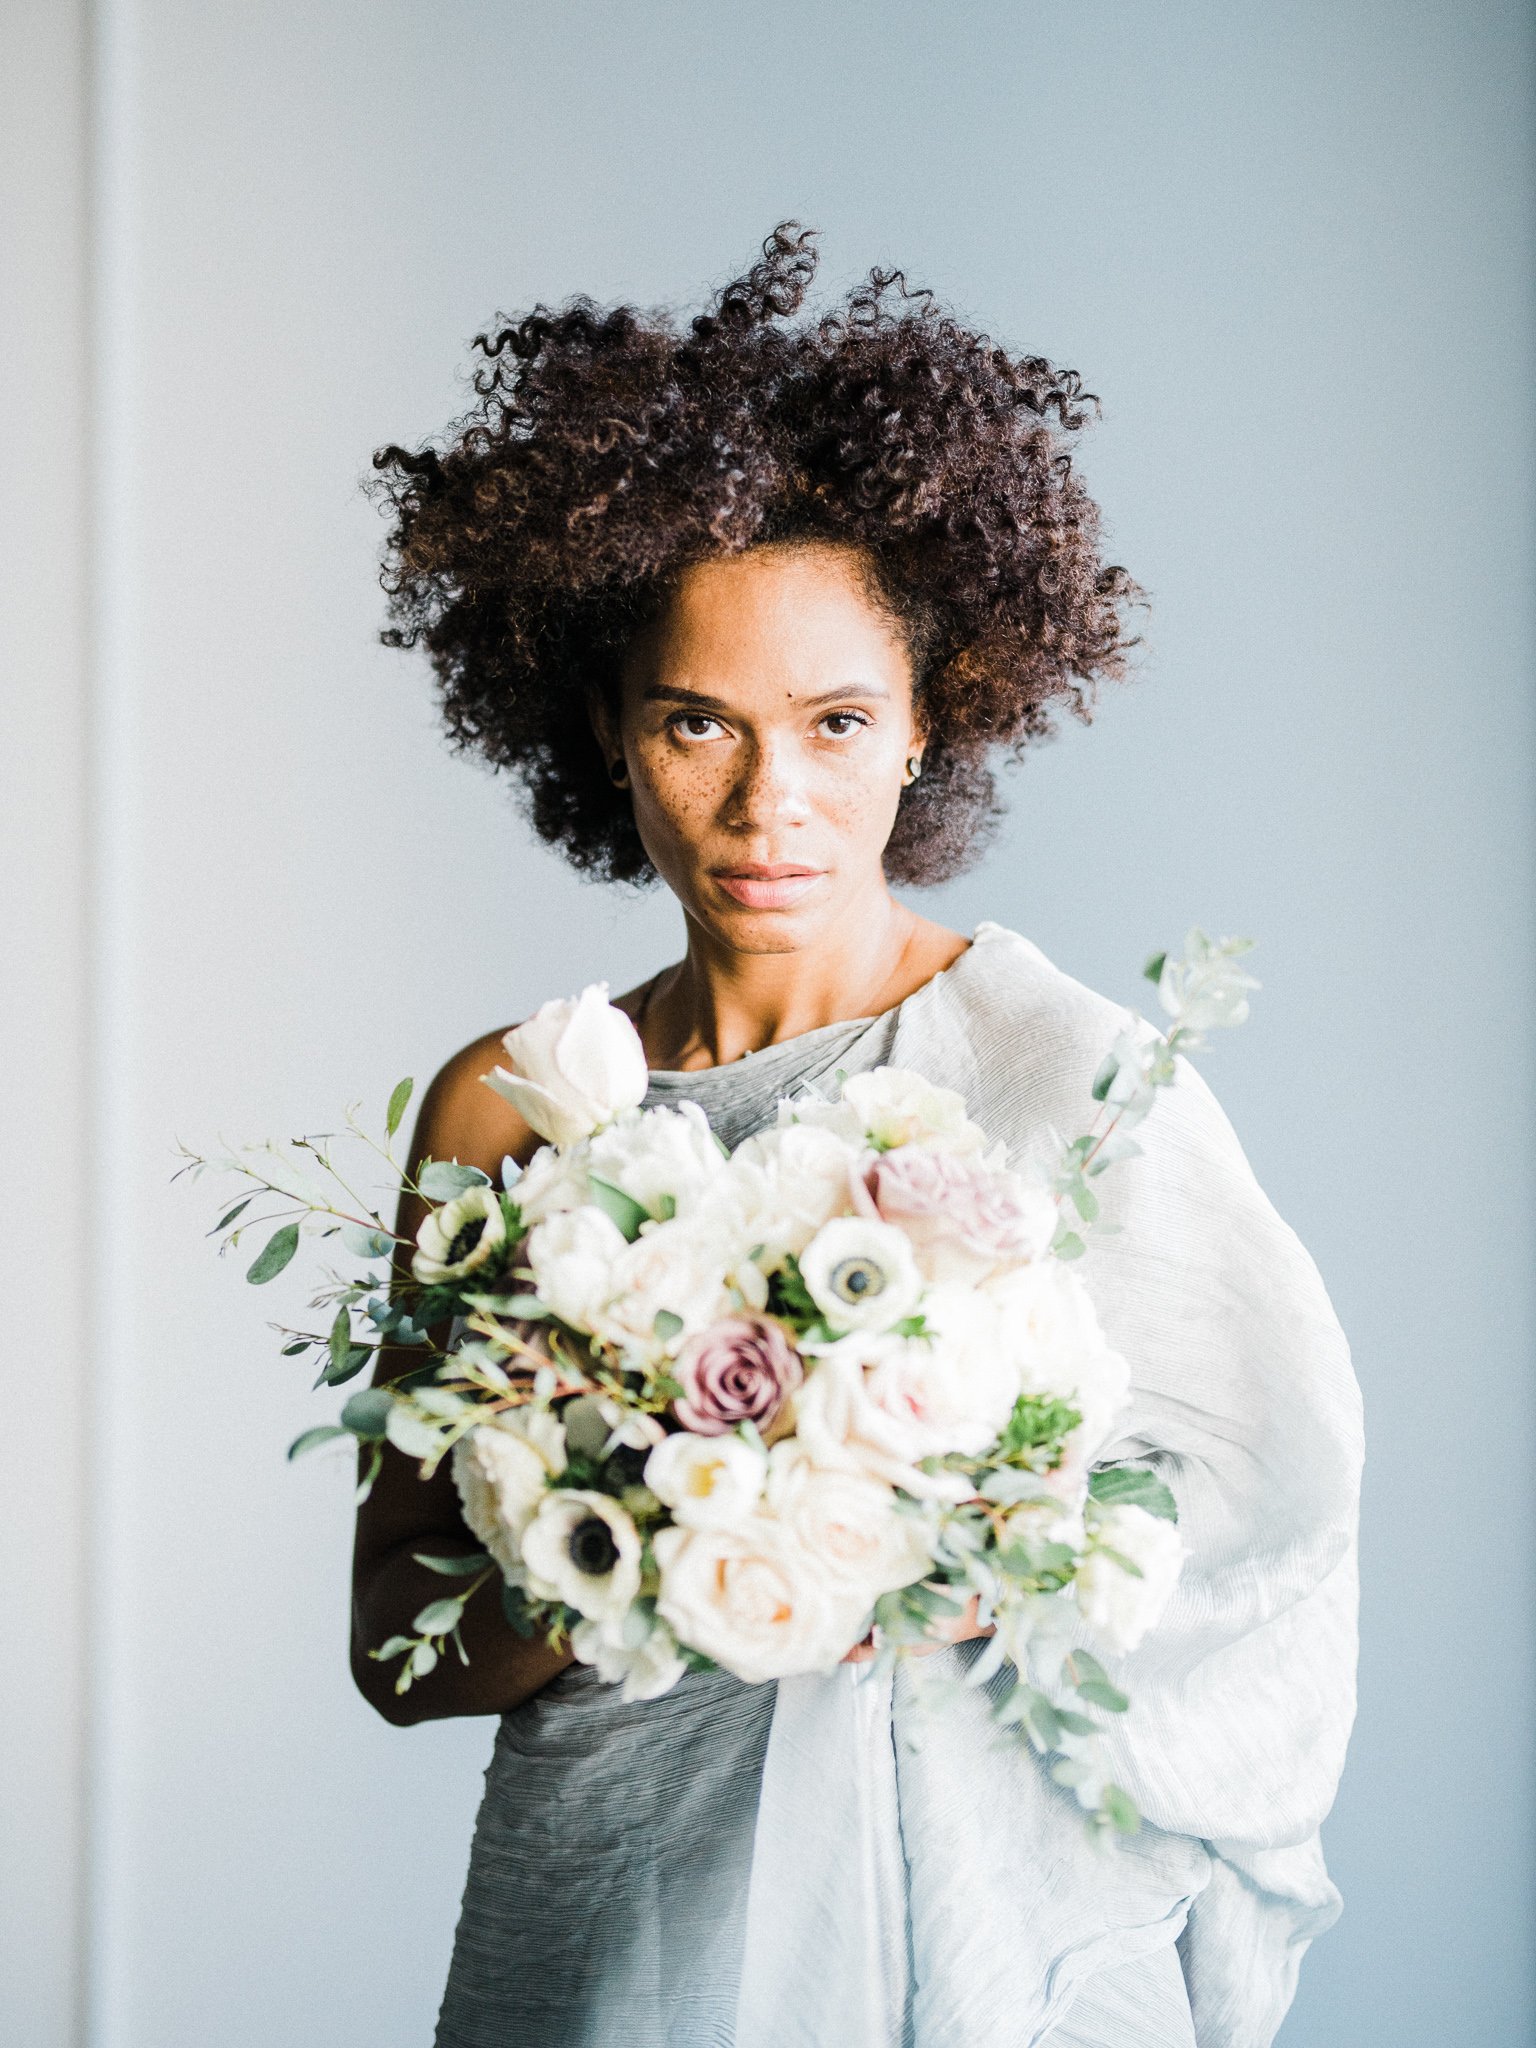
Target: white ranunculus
(574, 1255)
(787, 1181)
(845, 1430)
(502, 1470)
(678, 1266)
(460, 1236)
(1052, 1336)
(575, 1064)
(755, 1600)
(1047, 1316)
(709, 1482)
(896, 1106)
(861, 1274)
(1118, 1606)
(848, 1521)
(554, 1179)
(638, 1652)
(583, 1548)
(659, 1154)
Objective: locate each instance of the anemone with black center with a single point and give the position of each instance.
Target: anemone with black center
(467, 1239)
(592, 1548)
(856, 1279)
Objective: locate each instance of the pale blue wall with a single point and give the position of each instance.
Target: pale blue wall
(1291, 246)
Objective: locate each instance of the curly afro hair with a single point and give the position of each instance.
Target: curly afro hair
(609, 449)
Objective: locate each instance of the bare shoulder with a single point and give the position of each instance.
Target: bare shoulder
(461, 1118)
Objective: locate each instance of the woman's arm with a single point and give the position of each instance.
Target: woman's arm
(459, 1119)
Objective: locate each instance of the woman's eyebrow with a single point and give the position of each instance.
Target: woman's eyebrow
(700, 700)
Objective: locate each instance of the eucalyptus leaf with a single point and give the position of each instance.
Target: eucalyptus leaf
(454, 1567)
(1067, 1245)
(339, 1370)
(1045, 1721)
(667, 1324)
(1121, 1811)
(399, 1100)
(423, 1660)
(408, 1433)
(339, 1343)
(274, 1255)
(1100, 1693)
(1077, 1724)
(439, 1616)
(323, 1433)
(230, 1214)
(623, 1209)
(365, 1244)
(1133, 1486)
(293, 1350)
(440, 1180)
(367, 1414)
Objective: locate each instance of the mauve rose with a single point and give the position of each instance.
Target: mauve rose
(964, 1219)
(741, 1369)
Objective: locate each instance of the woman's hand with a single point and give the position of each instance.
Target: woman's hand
(957, 1628)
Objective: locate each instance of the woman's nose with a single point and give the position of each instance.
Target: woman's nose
(770, 787)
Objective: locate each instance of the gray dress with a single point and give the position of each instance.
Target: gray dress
(836, 1863)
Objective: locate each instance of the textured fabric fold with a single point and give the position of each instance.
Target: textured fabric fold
(844, 1865)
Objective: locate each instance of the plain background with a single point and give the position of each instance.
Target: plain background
(1291, 247)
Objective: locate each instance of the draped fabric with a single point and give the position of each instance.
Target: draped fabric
(849, 1862)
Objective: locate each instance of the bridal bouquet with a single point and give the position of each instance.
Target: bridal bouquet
(749, 1409)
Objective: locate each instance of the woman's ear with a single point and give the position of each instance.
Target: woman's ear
(604, 726)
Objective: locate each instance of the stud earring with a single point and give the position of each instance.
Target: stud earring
(618, 774)
(914, 766)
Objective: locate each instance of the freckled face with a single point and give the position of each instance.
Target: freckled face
(766, 722)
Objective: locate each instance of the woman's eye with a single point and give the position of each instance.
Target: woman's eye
(845, 722)
(688, 722)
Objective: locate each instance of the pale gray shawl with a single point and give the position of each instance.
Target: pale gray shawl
(836, 1863)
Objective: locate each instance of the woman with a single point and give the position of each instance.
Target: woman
(746, 608)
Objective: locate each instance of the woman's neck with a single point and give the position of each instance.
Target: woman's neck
(719, 1002)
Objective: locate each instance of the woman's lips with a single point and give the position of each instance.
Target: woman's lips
(770, 890)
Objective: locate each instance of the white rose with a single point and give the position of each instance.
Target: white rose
(502, 1470)
(954, 1390)
(848, 1521)
(574, 1255)
(755, 1600)
(844, 1429)
(1047, 1315)
(575, 1064)
(583, 1548)
(861, 1274)
(788, 1181)
(709, 1482)
(896, 1106)
(637, 1652)
(678, 1266)
(657, 1154)
(1119, 1607)
(458, 1237)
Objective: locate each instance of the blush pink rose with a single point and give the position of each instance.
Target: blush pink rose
(964, 1220)
(741, 1369)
